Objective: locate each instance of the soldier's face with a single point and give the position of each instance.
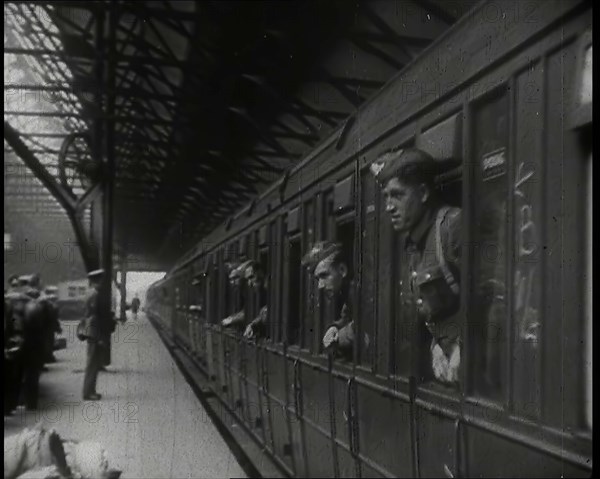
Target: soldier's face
(404, 203)
(19, 307)
(254, 278)
(330, 277)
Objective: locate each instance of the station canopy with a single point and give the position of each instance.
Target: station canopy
(209, 102)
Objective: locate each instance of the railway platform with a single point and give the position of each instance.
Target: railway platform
(149, 420)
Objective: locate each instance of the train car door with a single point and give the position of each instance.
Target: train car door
(437, 406)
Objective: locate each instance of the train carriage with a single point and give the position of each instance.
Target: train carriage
(501, 100)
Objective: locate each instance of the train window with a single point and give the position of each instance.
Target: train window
(275, 317)
(72, 291)
(526, 186)
(293, 303)
(345, 236)
(367, 317)
(223, 287)
(263, 260)
(308, 319)
(240, 292)
(343, 197)
(243, 248)
(188, 290)
(402, 331)
(263, 294)
(487, 352)
(327, 309)
(233, 297)
(581, 110)
(588, 353)
(393, 324)
(213, 291)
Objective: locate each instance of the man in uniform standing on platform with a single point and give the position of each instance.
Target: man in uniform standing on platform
(431, 251)
(94, 336)
(331, 271)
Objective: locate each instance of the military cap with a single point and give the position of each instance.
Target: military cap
(234, 272)
(16, 296)
(49, 296)
(240, 271)
(32, 292)
(96, 273)
(249, 266)
(320, 251)
(405, 162)
(25, 279)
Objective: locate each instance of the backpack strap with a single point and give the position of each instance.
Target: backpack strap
(452, 283)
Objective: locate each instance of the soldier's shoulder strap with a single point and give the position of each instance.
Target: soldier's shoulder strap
(450, 279)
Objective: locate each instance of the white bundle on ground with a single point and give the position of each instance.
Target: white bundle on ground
(49, 472)
(88, 460)
(32, 449)
(39, 454)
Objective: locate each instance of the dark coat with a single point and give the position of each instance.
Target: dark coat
(135, 304)
(93, 326)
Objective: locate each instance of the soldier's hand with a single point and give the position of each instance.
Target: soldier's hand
(249, 332)
(331, 336)
(227, 321)
(10, 353)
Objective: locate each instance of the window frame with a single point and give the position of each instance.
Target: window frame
(296, 239)
(580, 114)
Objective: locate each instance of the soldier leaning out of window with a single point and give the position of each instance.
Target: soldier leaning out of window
(331, 272)
(431, 243)
(258, 282)
(238, 319)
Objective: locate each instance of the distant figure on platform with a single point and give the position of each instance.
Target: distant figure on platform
(94, 336)
(135, 306)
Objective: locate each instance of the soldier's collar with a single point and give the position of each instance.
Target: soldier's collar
(418, 233)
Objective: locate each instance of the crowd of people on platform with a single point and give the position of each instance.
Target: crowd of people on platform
(30, 323)
(31, 319)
